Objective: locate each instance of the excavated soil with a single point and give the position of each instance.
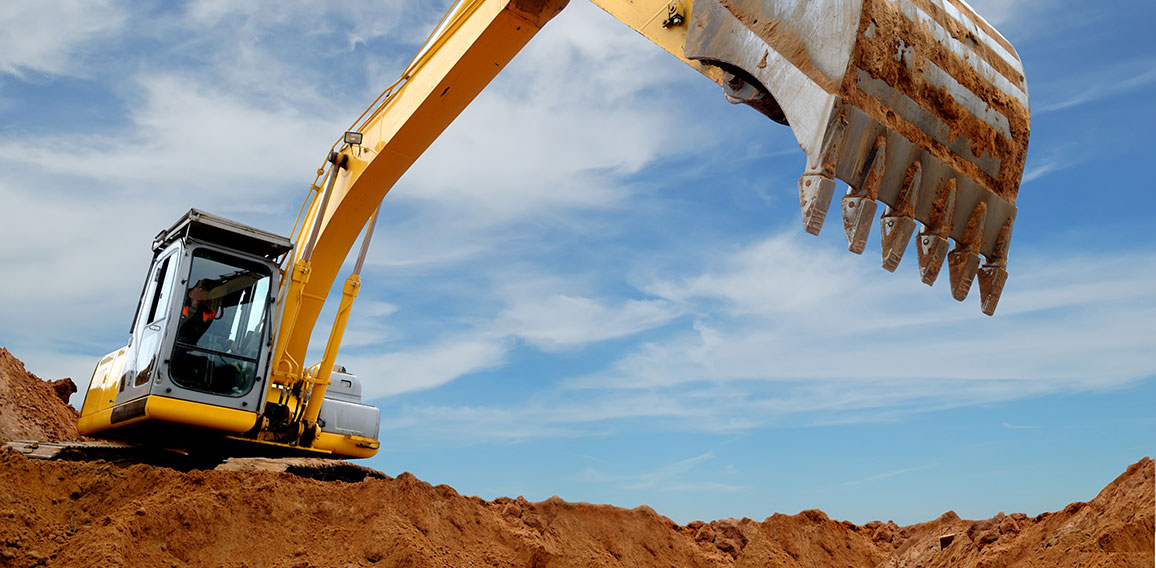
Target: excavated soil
(65, 513)
(32, 409)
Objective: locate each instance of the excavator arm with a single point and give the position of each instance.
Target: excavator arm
(919, 104)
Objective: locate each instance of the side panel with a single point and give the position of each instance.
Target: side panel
(203, 415)
(159, 409)
(347, 446)
(101, 394)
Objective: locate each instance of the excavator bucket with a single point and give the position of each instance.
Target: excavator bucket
(919, 104)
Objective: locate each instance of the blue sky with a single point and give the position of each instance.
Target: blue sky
(595, 284)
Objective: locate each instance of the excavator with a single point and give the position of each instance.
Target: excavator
(918, 104)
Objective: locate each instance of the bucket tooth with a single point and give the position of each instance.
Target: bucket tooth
(817, 185)
(993, 273)
(858, 214)
(963, 262)
(898, 223)
(859, 204)
(894, 233)
(815, 192)
(962, 266)
(991, 280)
(933, 240)
(932, 250)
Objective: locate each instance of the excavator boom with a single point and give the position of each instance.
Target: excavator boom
(919, 104)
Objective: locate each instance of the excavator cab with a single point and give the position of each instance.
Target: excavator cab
(199, 357)
(199, 350)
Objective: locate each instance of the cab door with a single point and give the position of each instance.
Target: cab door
(144, 356)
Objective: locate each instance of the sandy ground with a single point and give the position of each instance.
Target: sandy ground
(64, 513)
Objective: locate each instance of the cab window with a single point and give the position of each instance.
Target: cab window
(222, 322)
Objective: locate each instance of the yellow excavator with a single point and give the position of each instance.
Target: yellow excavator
(919, 104)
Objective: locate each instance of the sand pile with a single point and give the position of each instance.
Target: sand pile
(32, 409)
(62, 513)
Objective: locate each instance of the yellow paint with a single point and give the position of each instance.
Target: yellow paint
(321, 382)
(172, 411)
(348, 445)
(165, 409)
(101, 394)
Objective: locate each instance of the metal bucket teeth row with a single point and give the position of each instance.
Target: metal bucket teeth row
(897, 98)
(915, 187)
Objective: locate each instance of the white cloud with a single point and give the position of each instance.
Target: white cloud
(671, 477)
(855, 344)
(358, 22)
(585, 104)
(818, 318)
(550, 324)
(426, 367)
(51, 36)
(559, 321)
(889, 474)
(1046, 167)
(1098, 84)
(669, 472)
(474, 424)
(191, 142)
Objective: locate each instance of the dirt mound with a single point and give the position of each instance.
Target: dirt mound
(99, 514)
(62, 513)
(1114, 529)
(32, 409)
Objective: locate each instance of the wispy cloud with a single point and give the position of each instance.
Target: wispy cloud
(186, 138)
(1018, 426)
(429, 366)
(802, 344)
(52, 36)
(559, 322)
(585, 105)
(1046, 167)
(677, 476)
(1101, 84)
(889, 474)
